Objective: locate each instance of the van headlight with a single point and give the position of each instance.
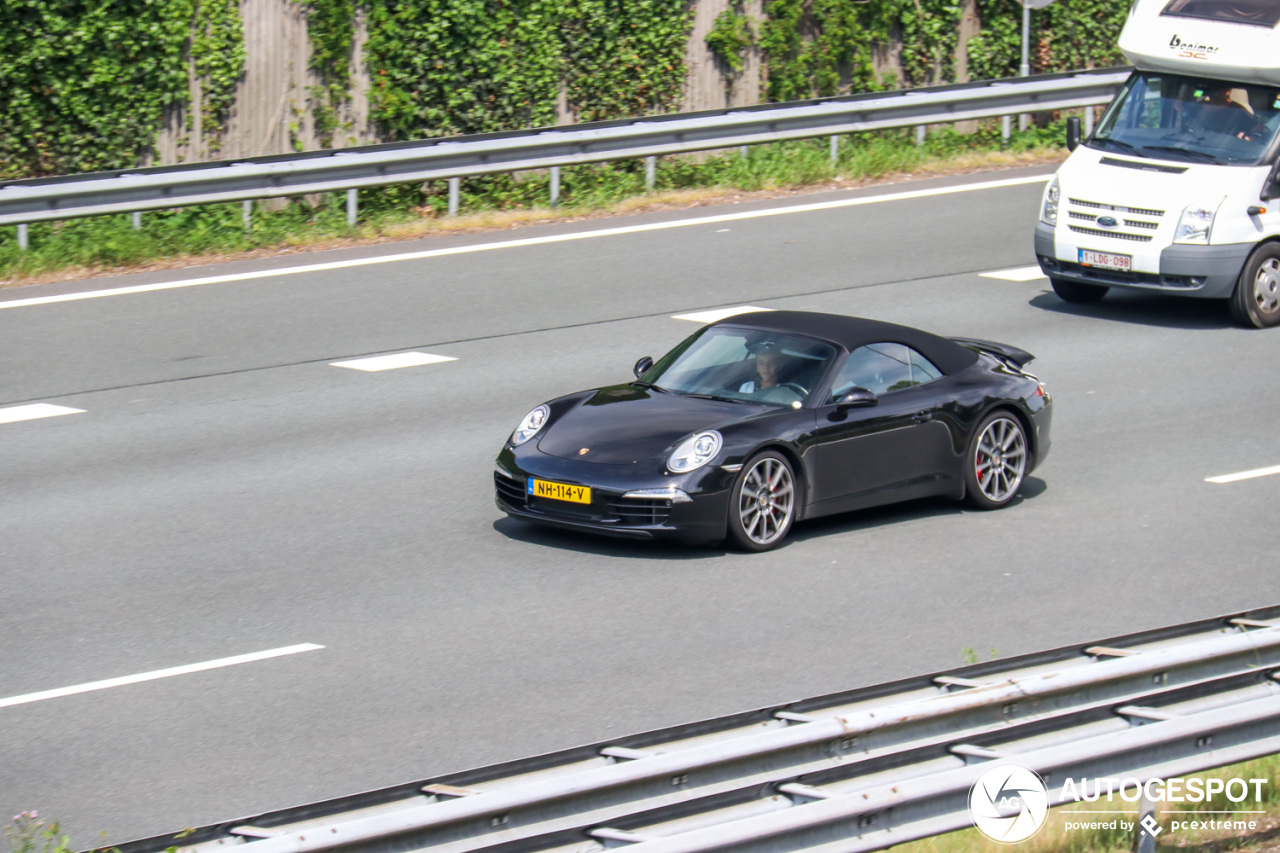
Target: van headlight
(1049, 204)
(694, 452)
(1196, 223)
(529, 427)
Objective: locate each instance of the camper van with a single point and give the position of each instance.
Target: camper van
(1177, 191)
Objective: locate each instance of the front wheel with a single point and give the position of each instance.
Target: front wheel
(1072, 291)
(997, 461)
(763, 504)
(1256, 301)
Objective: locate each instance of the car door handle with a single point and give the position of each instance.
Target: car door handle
(922, 417)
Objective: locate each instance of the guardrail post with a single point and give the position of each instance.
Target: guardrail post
(246, 213)
(835, 150)
(137, 220)
(453, 196)
(353, 206)
(650, 168)
(1143, 841)
(742, 149)
(22, 235)
(1088, 121)
(555, 186)
(1005, 128)
(921, 131)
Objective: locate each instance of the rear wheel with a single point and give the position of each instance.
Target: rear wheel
(1256, 300)
(763, 504)
(1072, 291)
(997, 461)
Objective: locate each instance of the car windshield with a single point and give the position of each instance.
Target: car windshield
(1189, 119)
(744, 365)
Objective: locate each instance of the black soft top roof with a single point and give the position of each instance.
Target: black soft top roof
(853, 332)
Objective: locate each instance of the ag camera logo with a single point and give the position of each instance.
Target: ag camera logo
(1009, 803)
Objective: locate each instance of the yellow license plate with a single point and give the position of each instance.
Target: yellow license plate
(559, 491)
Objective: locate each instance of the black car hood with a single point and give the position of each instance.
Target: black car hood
(624, 424)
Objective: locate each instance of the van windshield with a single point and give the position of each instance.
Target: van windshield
(1190, 119)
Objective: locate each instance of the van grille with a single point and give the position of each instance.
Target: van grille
(1097, 205)
(1118, 235)
(1133, 229)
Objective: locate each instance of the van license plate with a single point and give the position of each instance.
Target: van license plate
(1105, 260)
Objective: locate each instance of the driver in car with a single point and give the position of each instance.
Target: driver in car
(770, 366)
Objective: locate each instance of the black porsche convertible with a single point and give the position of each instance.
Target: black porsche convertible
(768, 418)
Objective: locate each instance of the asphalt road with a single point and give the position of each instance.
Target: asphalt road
(225, 491)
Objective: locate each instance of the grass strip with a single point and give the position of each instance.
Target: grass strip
(99, 245)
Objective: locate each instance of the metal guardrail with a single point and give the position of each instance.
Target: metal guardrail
(135, 190)
(849, 772)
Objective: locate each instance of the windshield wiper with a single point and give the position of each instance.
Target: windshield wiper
(659, 388)
(1116, 143)
(1202, 156)
(714, 397)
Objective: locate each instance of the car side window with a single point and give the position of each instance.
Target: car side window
(883, 368)
(923, 370)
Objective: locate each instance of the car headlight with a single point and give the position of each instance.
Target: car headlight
(529, 427)
(1195, 223)
(1049, 204)
(694, 452)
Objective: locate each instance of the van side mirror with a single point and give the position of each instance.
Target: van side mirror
(642, 365)
(856, 398)
(1271, 189)
(1073, 132)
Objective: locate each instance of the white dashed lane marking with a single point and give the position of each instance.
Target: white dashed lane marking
(1016, 274)
(392, 362)
(35, 411)
(717, 314)
(155, 674)
(1244, 475)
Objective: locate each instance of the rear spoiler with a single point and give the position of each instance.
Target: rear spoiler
(1020, 357)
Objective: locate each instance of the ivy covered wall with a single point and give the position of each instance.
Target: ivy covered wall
(88, 84)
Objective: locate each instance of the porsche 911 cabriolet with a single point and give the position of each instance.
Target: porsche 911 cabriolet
(765, 419)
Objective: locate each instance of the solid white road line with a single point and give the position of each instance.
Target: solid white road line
(1244, 475)
(529, 241)
(159, 673)
(35, 411)
(392, 362)
(1017, 274)
(717, 314)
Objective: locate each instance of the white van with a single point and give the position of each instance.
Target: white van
(1177, 190)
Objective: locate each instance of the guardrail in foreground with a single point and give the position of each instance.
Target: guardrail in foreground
(135, 190)
(855, 771)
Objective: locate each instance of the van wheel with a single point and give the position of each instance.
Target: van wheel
(1256, 301)
(1070, 291)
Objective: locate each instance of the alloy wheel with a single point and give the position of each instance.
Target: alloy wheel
(1001, 459)
(765, 500)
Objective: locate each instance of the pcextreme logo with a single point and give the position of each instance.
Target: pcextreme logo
(1009, 803)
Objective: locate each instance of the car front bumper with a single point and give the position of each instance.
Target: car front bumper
(694, 507)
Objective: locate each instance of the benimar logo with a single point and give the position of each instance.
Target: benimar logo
(1009, 803)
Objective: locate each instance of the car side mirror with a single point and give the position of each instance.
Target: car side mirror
(856, 398)
(1073, 132)
(642, 366)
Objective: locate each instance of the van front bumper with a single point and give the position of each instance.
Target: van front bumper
(1209, 272)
